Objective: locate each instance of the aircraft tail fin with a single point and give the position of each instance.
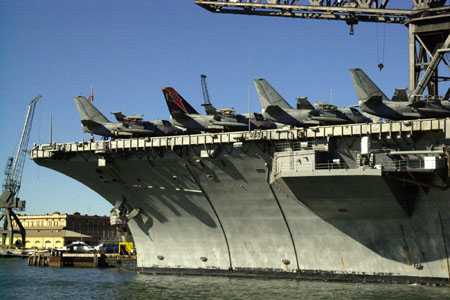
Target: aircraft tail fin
(176, 103)
(88, 112)
(120, 117)
(400, 95)
(269, 96)
(365, 88)
(303, 103)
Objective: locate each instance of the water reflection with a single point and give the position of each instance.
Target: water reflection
(18, 281)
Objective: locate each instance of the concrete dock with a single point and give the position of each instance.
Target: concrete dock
(59, 259)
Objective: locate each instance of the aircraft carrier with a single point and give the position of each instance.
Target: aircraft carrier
(359, 202)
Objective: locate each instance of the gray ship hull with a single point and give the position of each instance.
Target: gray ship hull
(254, 208)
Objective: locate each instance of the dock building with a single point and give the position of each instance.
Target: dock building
(56, 229)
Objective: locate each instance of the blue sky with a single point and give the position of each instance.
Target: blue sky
(129, 50)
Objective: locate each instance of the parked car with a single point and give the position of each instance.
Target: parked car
(79, 247)
(107, 248)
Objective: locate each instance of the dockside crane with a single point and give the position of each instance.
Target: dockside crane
(428, 22)
(209, 107)
(9, 202)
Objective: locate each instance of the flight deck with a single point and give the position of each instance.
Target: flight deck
(387, 129)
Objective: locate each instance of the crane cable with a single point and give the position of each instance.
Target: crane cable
(381, 45)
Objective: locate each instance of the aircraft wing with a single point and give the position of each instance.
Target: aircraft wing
(374, 100)
(411, 115)
(417, 103)
(275, 111)
(279, 115)
(119, 116)
(180, 116)
(90, 124)
(303, 103)
(230, 124)
(213, 126)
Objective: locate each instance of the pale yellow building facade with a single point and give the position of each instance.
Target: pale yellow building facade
(56, 230)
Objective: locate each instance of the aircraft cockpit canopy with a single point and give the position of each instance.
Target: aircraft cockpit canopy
(136, 119)
(326, 106)
(227, 111)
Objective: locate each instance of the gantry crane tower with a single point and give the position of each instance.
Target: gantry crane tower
(13, 178)
(428, 22)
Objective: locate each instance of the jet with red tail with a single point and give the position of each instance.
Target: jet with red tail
(186, 117)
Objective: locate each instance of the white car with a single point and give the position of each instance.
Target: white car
(78, 246)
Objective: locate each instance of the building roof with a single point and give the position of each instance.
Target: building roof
(56, 233)
(47, 216)
(57, 214)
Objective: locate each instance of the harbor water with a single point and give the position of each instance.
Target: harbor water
(19, 281)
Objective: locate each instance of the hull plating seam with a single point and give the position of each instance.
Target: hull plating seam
(215, 212)
(284, 217)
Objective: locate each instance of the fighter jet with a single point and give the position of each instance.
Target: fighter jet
(277, 109)
(351, 112)
(373, 101)
(95, 122)
(186, 117)
(252, 120)
(446, 100)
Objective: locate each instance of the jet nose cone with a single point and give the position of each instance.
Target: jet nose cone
(80, 98)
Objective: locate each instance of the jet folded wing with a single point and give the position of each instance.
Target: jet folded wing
(303, 103)
(213, 126)
(275, 111)
(230, 124)
(411, 115)
(417, 104)
(374, 100)
(180, 116)
(90, 124)
(119, 116)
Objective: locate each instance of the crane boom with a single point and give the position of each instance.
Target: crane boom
(428, 22)
(13, 178)
(348, 11)
(209, 107)
(19, 159)
(205, 92)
